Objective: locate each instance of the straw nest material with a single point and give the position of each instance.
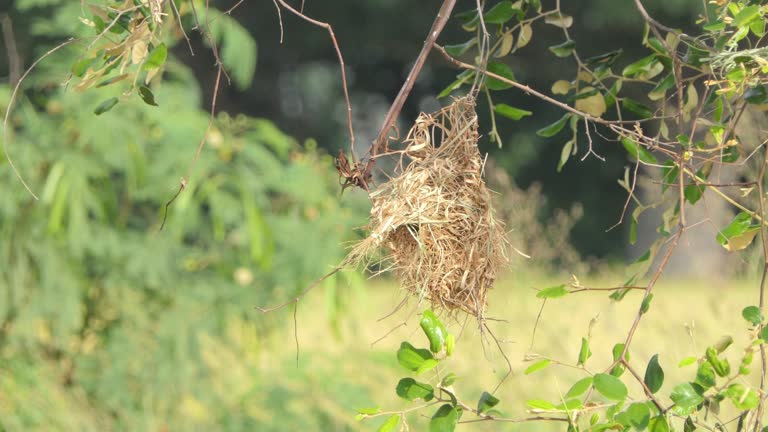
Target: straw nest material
(434, 222)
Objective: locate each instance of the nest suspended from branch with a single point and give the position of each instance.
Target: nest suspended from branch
(434, 223)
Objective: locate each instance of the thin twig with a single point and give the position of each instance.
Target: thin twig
(342, 65)
(394, 110)
(10, 108)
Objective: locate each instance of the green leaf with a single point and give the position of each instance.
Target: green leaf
(539, 365)
(570, 404)
(500, 69)
(636, 107)
(654, 375)
(552, 292)
(641, 66)
(444, 420)
(686, 396)
(742, 397)
(486, 402)
(705, 375)
(390, 424)
(460, 80)
(752, 314)
(564, 49)
(746, 15)
(540, 404)
(638, 415)
(658, 424)
(693, 193)
(80, 67)
(511, 112)
(578, 388)
(739, 233)
(500, 13)
(637, 151)
(105, 106)
(764, 333)
(559, 20)
(428, 365)
(610, 387)
(448, 380)
(156, 57)
(565, 154)
(554, 128)
(412, 358)
(584, 352)
(112, 80)
(661, 88)
(450, 342)
(460, 49)
(369, 411)
(410, 390)
(434, 329)
(147, 96)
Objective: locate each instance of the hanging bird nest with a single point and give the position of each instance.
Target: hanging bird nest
(434, 223)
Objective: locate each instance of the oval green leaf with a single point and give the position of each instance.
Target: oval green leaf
(390, 424)
(610, 387)
(434, 330)
(554, 128)
(511, 112)
(410, 390)
(412, 358)
(486, 402)
(105, 106)
(444, 420)
(654, 374)
(578, 388)
(539, 365)
(502, 70)
(552, 292)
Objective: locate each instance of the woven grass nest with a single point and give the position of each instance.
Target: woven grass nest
(433, 224)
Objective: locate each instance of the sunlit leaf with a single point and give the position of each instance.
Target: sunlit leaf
(610, 387)
(434, 330)
(559, 20)
(593, 105)
(410, 389)
(525, 35)
(390, 424)
(486, 402)
(564, 49)
(739, 233)
(444, 419)
(412, 358)
(539, 365)
(511, 112)
(637, 151)
(156, 58)
(552, 292)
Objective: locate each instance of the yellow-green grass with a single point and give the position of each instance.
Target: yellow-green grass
(684, 318)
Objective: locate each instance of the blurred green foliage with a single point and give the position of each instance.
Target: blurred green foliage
(107, 323)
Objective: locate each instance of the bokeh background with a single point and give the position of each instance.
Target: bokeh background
(107, 323)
